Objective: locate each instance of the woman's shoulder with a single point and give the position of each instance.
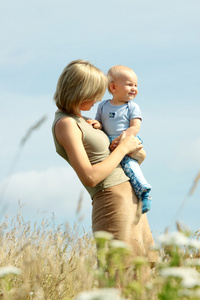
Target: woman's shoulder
(63, 121)
(63, 118)
(66, 122)
(66, 129)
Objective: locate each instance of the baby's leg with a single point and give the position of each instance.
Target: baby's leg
(141, 187)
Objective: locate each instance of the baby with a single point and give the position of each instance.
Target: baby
(120, 114)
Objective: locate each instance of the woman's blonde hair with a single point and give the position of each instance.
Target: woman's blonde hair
(80, 81)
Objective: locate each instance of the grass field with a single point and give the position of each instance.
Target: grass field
(38, 261)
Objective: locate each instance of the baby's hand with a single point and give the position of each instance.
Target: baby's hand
(115, 142)
(96, 124)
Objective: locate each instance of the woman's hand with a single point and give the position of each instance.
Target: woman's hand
(118, 140)
(137, 152)
(132, 143)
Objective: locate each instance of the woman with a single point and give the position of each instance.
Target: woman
(114, 202)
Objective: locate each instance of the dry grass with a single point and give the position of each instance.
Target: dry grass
(60, 262)
(54, 263)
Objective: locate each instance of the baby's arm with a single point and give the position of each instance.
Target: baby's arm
(132, 130)
(134, 127)
(96, 124)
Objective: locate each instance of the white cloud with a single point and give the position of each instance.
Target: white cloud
(56, 190)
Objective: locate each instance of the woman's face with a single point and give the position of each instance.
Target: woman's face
(87, 105)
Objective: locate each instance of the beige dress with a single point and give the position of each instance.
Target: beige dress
(115, 204)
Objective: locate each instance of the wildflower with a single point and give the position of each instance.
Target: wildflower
(139, 260)
(102, 238)
(103, 235)
(194, 244)
(189, 276)
(4, 271)
(100, 294)
(120, 245)
(190, 293)
(177, 239)
(192, 262)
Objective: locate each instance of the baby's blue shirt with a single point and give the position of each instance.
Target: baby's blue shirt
(116, 118)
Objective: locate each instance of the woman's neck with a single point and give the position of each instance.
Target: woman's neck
(78, 114)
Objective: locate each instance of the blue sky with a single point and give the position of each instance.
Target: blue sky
(159, 40)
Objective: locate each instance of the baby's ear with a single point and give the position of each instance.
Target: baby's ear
(112, 87)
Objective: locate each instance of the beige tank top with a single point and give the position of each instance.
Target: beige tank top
(96, 144)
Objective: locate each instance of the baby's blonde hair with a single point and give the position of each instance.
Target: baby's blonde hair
(114, 73)
(80, 81)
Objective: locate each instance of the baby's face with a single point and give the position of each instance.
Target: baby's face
(126, 86)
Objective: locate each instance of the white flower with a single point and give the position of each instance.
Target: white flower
(120, 245)
(194, 244)
(190, 293)
(174, 238)
(190, 277)
(4, 271)
(192, 262)
(177, 239)
(103, 235)
(100, 294)
(139, 260)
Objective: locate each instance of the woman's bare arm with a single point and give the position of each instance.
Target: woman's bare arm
(69, 136)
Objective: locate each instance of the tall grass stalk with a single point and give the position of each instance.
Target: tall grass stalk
(16, 157)
(53, 263)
